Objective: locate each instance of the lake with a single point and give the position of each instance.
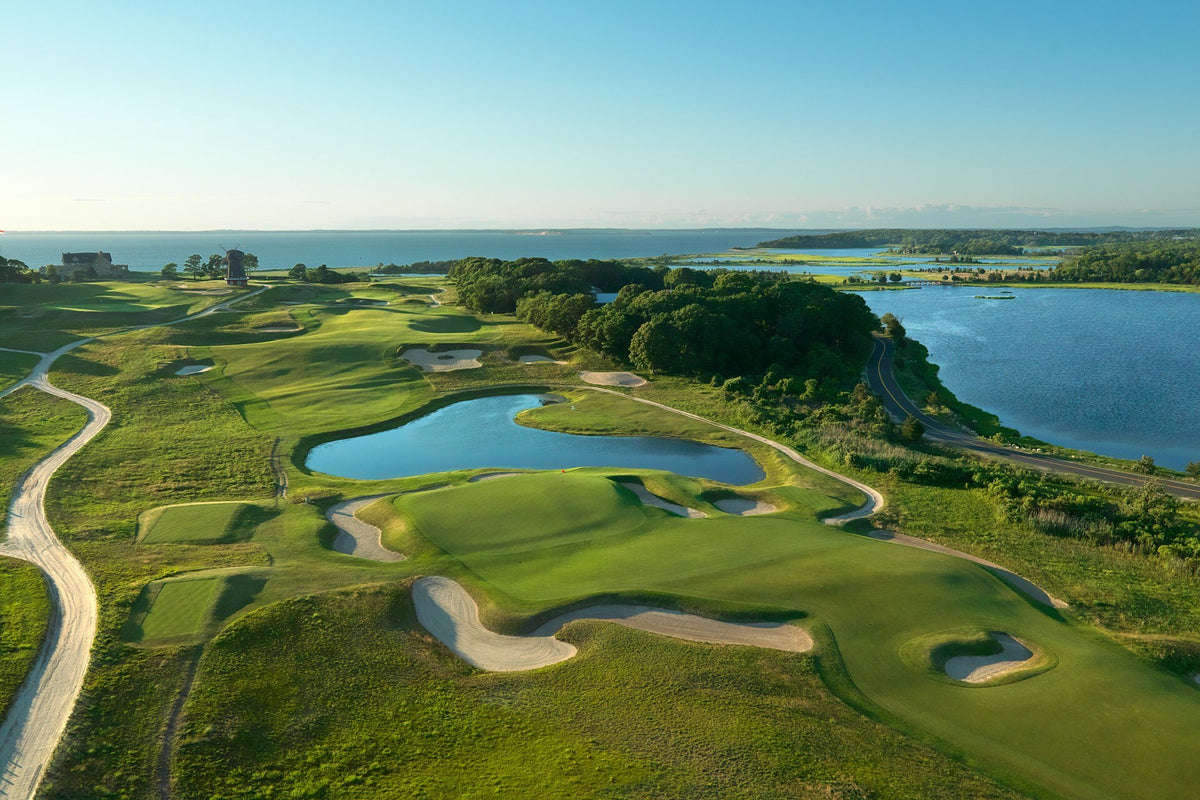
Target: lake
(148, 251)
(1113, 372)
(481, 433)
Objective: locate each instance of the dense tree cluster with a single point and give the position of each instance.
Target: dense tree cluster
(323, 274)
(1158, 261)
(423, 267)
(684, 321)
(970, 242)
(14, 271)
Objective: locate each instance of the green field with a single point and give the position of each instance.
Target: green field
(25, 613)
(298, 685)
(14, 367)
(32, 424)
(875, 597)
(204, 522)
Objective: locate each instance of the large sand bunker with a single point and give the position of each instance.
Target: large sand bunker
(446, 361)
(1013, 655)
(355, 537)
(447, 611)
(193, 369)
(535, 359)
(654, 500)
(626, 379)
(745, 506)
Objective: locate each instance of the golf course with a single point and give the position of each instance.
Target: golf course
(676, 597)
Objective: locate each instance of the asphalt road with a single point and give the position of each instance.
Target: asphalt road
(882, 381)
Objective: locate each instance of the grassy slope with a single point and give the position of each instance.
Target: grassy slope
(726, 722)
(32, 424)
(875, 597)
(42, 317)
(14, 367)
(25, 611)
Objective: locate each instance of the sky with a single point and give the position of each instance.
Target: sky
(365, 115)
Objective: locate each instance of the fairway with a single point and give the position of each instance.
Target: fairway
(178, 608)
(200, 522)
(519, 540)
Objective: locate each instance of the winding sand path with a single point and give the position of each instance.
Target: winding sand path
(448, 612)
(355, 537)
(981, 669)
(42, 706)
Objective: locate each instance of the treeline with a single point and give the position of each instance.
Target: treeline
(1158, 261)
(14, 271)
(743, 329)
(423, 267)
(324, 274)
(978, 242)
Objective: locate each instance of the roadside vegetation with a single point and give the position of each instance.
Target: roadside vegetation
(25, 611)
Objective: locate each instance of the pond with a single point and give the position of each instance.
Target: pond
(481, 433)
(1114, 372)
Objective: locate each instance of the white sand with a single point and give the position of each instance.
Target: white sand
(489, 476)
(980, 669)
(626, 379)
(355, 537)
(193, 369)
(279, 329)
(539, 360)
(744, 506)
(447, 611)
(654, 500)
(442, 362)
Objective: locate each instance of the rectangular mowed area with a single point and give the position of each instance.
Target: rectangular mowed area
(179, 608)
(202, 522)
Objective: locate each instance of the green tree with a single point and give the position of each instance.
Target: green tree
(893, 328)
(170, 271)
(215, 268)
(1193, 469)
(250, 263)
(298, 272)
(194, 265)
(912, 430)
(1145, 465)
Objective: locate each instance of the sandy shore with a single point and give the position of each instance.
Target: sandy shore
(981, 669)
(448, 612)
(446, 361)
(654, 500)
(626, 379)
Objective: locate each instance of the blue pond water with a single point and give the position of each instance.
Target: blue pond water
(1113, 372)
(482, 433)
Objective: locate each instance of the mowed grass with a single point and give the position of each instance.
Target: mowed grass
(177, 608)
(24, 616)
(1100, 724)
(343, 695)
(201, 522)
(44, 316)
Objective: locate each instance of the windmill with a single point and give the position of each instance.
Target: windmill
(235, 272)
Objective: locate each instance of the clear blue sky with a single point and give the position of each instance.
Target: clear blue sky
(255, 114)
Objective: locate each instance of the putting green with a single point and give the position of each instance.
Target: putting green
(200, 522)
(1099, 724)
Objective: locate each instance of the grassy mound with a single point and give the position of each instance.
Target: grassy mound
(445, 323)
(928, 655)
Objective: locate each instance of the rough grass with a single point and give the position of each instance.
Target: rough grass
(32, 425)
(24, 615)
(14, 367)
(633, 715)
(204, 522)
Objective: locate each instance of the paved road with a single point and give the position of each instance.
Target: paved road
(35, 721)
(882, 381)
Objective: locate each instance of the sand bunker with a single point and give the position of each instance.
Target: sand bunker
(442, 362)
(626, 379)
(279, 329)
(654, 500)
(355, 537)
(981, 669)
(193, 369)
(448, 612)
(539, 360)
(744, 506)
(488, 476)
